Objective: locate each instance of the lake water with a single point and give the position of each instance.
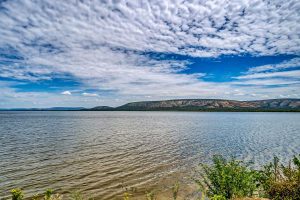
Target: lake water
(99, 152)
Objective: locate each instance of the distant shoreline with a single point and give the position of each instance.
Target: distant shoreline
(204, 111)
(194, 105)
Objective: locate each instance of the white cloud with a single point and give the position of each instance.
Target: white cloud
(267, 82)
(289, 64)
(10, 96)
(90, 94)
(108, 45)
(66, 93)
(286, 74)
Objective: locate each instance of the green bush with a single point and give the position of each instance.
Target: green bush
(17, 194)
(218, 197)
(228, 179)
(282, 182)
(48, 194)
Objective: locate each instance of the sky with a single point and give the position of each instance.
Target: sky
(110, 52)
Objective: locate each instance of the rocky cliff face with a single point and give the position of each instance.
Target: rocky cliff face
(213, 104)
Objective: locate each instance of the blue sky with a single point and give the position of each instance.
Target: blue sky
(90, 53)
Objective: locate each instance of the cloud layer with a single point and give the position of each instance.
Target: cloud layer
(109, 45)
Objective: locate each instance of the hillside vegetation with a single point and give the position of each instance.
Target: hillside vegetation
(208, 105)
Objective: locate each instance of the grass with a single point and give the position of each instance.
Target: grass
(225, 179)
(175, 190)
(150, 195)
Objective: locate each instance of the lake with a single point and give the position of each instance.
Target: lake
(100, 153)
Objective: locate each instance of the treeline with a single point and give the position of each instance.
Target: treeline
(198, 109)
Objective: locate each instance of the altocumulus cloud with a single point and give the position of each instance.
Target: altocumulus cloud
(108, 45)
(66, 93)
(90, 94)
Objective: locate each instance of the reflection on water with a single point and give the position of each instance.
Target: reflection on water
(97, 152)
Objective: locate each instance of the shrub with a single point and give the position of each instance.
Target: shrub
(48, 194)
(126, 196)
(218, 197)
(17, 194)
(77, 196)
(282, 182)
(150, 195)
(284, 190)
(228, 179)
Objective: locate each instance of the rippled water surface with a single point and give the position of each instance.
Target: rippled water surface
(98, 152)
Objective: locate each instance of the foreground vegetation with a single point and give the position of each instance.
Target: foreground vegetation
(224, 179)
(231, 179)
